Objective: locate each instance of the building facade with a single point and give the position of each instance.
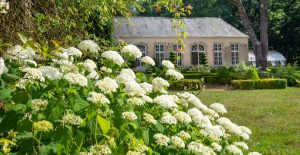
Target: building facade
(223, 44)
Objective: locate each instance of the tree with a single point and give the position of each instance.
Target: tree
(203, 59)
(260, 47)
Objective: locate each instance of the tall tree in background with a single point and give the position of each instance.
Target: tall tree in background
(260, 47)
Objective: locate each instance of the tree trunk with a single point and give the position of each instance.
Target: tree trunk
(264, 32)
(260, 48)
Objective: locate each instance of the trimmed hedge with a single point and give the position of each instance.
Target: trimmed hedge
(186, 84)
(260, 84)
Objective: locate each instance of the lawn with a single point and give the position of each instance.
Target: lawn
(272, 115)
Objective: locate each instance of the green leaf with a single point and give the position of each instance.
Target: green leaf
(103, 123)
(159, 127)
(5, 93)
(19, 108)
(146, 136)
(79, 104)
(20, 97)
(23, 38)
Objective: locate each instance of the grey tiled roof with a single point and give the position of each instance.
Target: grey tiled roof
(162, 27)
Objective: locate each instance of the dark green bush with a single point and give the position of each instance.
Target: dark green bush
(223, 75)
(186, 85)
(289, 73)
(260, 84)
(197, 75)
(252, 74)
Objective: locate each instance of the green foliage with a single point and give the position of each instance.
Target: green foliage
(223, 75)
(260, 84)
(289, 73)
(203, 59)
(252, 74)
(199, 68)
(187, 85)
(173, 58)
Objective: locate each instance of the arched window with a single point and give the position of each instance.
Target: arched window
(196, 51)
(143, 49)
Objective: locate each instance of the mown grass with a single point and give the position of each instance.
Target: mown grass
(272, 115)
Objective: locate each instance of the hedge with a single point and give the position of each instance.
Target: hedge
(260, 84)
(186, 84)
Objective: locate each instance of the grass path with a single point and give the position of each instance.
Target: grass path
(272, 115)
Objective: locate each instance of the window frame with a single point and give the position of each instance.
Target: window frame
(235, 47)
(178, 53)
(159, 52)
(198, 51)
(217, 50)
(144, 53)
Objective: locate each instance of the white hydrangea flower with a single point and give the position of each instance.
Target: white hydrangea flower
(62, 53)
(98, 149)
(3, 68)
(107, 85)
(124, 78)
(242, 145)
(149, 118)
(193, 112)
(216, 146)
(213, 132)
(175, 74)
(183, 117)
(167, 118)
(72, 119)
(147, 87)
(133, 89)
(128, 72)
(184, 135)
(199, 148)
(4, 6)
(213, 114)
(72, 51)
(148, 60)
(18, 52)
(218, 107)
(254, 153)
(141, 148)
(131, 50)
(51, 73)
(89, 65)
(130, 152)
(114, 56)
(202, 121)
(160, 85)
(168, 64)
(98, 98)
(76, 78)
(136, 101)
(246, 130)
(33, 74)
(105, 69)
(129, 115)
(88, 45)
(234, 149)
(147, 99)
(193, 100)
(161, 139)
(177, 142)
(39, 104)
(231, 127)
(165, 101)
(93, 75)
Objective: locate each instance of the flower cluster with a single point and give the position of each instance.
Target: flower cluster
(89, 46)
(39, 104)
(4, 6)
(129, 115)
(99, 149)
(76, 78)
(148, 60)
(3, 68)
(44, 126)
(113, 56)
(168, 64)
(132, 51)
(98, 98)
(175, 74)
(72, 119)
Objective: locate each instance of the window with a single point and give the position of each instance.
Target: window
(235, 54)
(143, 50)
(177, 49)
(218, 54)
(159, 53)
(197, 49)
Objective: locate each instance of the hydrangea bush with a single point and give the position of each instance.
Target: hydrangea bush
(65, 105)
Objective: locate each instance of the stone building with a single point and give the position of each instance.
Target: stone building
(223, 44)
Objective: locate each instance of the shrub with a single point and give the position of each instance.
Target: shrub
(70, 106)
(260, 84)
(223, 75)
(252, 74)
(186, 85)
